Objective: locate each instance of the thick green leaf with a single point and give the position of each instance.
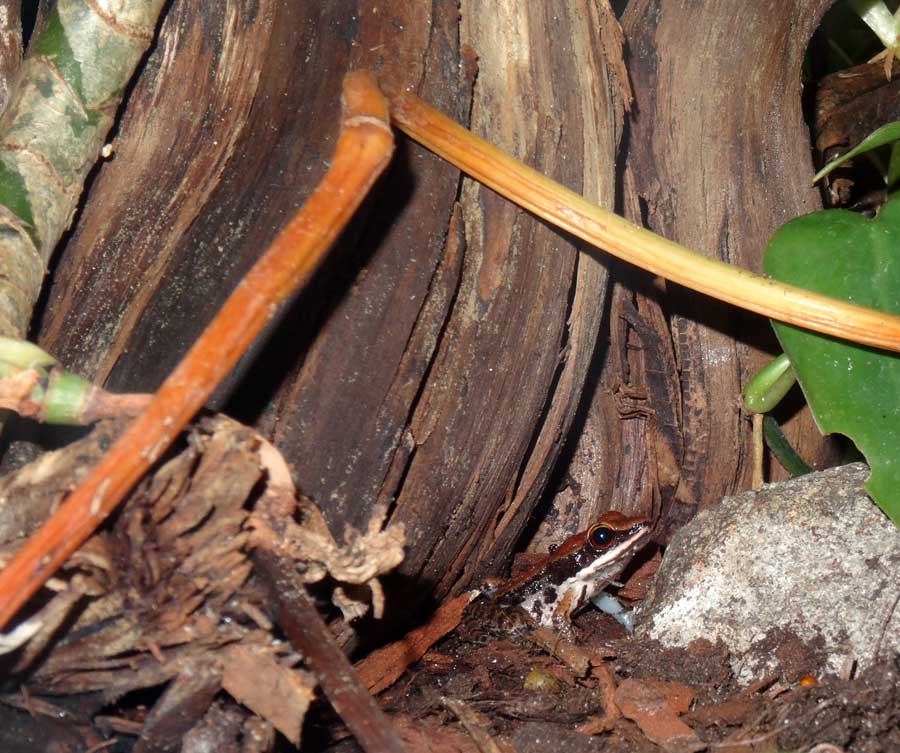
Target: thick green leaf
(851, 389)
(879, 137)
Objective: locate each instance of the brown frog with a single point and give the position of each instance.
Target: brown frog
(575, 572)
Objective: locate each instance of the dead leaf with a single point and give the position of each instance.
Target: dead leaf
(647, 705)
(279, 694)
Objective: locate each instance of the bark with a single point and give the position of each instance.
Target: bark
(718, 157)
(435, 362)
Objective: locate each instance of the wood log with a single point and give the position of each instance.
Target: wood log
(435, 362)
(718, 156)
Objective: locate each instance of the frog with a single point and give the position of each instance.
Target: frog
(575, 572)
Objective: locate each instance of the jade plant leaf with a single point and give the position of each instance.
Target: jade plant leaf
(851, 389)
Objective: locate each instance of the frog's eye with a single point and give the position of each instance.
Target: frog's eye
(601, 537)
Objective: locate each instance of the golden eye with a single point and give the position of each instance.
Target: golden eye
(601, 537)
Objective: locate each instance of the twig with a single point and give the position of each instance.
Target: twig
(473, 724)
(758, 452)
(884, 627)
(363, 149)
(607, 682)
(308, 633)
(600, 227)
(574, 657)
(103, 746)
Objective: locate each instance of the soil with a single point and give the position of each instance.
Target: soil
(524, 699)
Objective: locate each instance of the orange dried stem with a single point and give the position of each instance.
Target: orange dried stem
(363, 150)
(569, 211)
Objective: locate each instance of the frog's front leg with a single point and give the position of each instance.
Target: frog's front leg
(561, 617)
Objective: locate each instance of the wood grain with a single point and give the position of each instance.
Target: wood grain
(436, 361)
(718, 158)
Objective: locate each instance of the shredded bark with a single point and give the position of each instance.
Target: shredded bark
(166, 596)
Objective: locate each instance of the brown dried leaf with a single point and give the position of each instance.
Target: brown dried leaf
(277, 693)
(360, 560)
(649, 707)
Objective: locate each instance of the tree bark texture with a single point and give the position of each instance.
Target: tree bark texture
(435, 362)
(718, 157)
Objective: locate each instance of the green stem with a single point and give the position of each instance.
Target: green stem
(769, 385)
(780, 447)
(33, 385)
(876, 15)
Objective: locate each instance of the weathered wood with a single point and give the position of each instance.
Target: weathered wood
(450, 341)
(146, 265)
(718, 158)
(529, 308)
(861, 91)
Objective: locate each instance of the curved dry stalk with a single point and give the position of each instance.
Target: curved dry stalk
(604, 229)
(363, 150)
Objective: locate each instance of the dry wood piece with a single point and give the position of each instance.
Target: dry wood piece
(363, 150)
(164, 575)
(183, 704)
(849, 105)
(28, 496)
(476, 725)
(607, 683)
(849, 102)
(654, 707)
(169, 583)
(308, 632)
(254, 677)
(573, 656)
(383, 667)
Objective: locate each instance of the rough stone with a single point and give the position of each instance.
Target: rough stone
(811, 559)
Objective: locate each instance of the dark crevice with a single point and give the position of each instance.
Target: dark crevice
(439, 340)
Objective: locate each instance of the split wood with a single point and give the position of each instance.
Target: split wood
(363, 150)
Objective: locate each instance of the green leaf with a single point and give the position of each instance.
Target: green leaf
(851, 389)
(879, 137)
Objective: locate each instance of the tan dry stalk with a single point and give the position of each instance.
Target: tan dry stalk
(604, 229)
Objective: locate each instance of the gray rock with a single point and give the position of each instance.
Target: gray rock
(813, 557)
